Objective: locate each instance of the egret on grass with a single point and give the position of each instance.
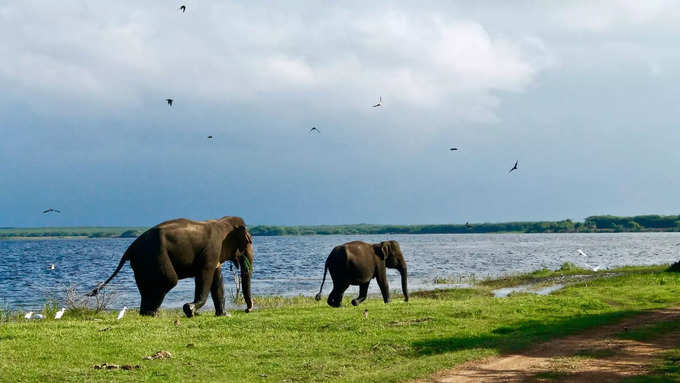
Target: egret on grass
(60, 313)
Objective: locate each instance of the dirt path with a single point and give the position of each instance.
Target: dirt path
(597, 355)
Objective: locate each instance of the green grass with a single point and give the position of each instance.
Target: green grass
(567, 272)
(667, 369)
(299, 340)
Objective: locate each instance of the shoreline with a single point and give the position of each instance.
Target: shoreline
(79, 237)
(300, 339)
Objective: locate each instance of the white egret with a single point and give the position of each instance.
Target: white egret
(60, 313)
(28, 315)
(582, 253)
(121, 314)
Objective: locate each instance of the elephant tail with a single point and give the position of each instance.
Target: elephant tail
(325, 271)
(101, 285)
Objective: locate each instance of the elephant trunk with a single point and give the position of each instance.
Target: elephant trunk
(404, 283)
(246, 273)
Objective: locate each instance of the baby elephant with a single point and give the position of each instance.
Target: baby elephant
(356, 263)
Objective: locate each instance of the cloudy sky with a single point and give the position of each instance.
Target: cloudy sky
(584, 94)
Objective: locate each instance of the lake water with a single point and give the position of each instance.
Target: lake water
(294, 265)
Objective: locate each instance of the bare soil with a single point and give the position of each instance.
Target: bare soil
(597, 355)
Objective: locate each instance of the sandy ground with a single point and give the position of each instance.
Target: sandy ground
(597, 355)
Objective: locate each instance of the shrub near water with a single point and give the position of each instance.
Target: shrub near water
(304, 340)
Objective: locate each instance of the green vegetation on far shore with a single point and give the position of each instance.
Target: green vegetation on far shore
(77, 232)
(301, 340)
(594, 224)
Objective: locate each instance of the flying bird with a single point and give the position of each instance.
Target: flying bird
(210, 136)
(314, 129)
(28, 315)
(60, 313)
(169, 101)
(379, 103)
(52, 266)
(121, 314)
(50, 210)
(581, 252)
(596, 268)
(183, 8)
(514, 167)
(453, 149)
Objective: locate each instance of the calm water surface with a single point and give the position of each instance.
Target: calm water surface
(294, 265)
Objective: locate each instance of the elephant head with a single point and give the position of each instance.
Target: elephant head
(391, 253)
(238, 248)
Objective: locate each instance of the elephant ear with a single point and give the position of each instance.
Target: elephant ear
(245, 238)
(386, 249)
(381, 250)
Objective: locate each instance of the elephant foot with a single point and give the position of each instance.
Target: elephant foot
(188, 309)
(223, 314)
(355, 303)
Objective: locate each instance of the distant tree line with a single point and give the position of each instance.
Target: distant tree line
(594, 224)
(88, 232)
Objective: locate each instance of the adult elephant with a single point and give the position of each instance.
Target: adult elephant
(183, 248)
(356, 263)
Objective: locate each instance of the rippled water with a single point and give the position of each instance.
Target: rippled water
(294, 265)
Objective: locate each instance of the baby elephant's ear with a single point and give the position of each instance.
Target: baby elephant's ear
(386, 248)
(379, 250)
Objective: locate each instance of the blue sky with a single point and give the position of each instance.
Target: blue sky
(583, 95)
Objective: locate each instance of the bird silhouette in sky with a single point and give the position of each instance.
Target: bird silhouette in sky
(379, 103)
(210, 137)
(314, 129)
(453, 149)
(183, 8)
(50, 210)
(169, 101)
(514, 167)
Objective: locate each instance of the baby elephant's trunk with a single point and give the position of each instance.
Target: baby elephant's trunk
(404, 283)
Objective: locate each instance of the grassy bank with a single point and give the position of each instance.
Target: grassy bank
(293, 340)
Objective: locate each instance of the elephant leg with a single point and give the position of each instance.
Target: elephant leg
(217, 292)
(153, 285)
(203, 281)
(335, 297)
(363, 291)
(152, 299)
(381, 278)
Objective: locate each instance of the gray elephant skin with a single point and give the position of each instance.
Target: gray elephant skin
(182, 248)
(356, 263)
